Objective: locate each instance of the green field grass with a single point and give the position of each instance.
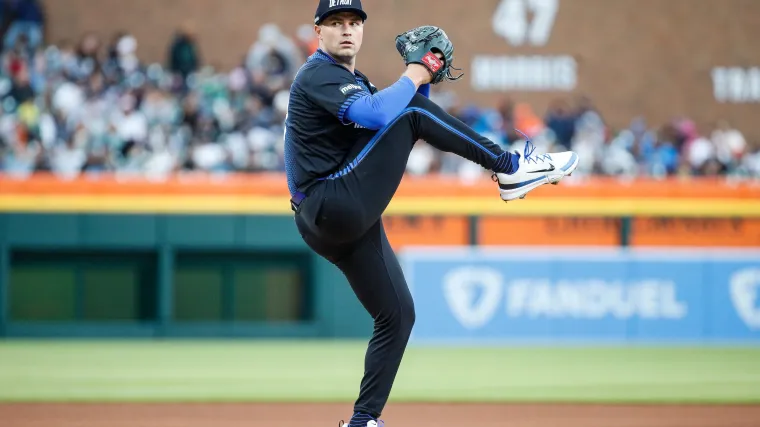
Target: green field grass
(327, 371)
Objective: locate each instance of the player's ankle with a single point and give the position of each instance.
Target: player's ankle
(506, 163)
(360, 419)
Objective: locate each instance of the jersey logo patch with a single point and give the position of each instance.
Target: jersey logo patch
(350, 87)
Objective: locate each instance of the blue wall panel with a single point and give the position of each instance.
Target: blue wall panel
(582, 295)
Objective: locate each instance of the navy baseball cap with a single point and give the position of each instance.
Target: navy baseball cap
(328, 7)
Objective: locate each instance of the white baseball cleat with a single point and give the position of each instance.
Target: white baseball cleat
(370, 423)
(534, 171)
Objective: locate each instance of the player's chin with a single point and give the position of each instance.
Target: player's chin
(347, 50)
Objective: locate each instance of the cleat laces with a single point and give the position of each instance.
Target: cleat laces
(529, 149)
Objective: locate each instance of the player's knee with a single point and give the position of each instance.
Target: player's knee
(423, 103)
(409, 317)
(400, 318)
(420, 101)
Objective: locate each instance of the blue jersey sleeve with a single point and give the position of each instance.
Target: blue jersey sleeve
(375, 111)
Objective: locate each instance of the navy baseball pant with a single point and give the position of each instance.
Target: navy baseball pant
(340, 219)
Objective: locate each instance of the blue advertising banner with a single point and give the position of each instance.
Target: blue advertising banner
(588, 295)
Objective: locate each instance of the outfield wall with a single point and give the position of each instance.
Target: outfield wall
(584, 295)
(191, 275)
(220, 256)
(168, 275)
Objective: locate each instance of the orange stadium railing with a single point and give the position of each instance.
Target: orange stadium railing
(442, 210)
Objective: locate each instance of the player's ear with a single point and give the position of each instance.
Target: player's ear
(318, 31)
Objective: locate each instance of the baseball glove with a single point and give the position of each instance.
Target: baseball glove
(420, 45)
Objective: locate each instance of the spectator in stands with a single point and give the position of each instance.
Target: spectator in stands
(274, 58)
(730, 145)
(111, 69)
(21, 87)
(561, 120)
(422, 159)
(17, 56)
(122, 61)
(190, 113)
(68, 159)
(86, 60)
(27, 18)
(750, 163)
(60, 60)
(642, 140)
(618, 158)
(589, 136)
(306, 40)
(663, 158)
(506, 108)
(21, 151)
(184, 54)
(130, 123)
(490, 125)
(698, 151)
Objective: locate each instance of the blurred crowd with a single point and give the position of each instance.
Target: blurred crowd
(92, 105)
(675, 148)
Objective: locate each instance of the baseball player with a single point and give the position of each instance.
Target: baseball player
(346, 148)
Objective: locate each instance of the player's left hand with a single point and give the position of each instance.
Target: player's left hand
(429, 46)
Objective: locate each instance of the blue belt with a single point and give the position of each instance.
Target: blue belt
(296, 200)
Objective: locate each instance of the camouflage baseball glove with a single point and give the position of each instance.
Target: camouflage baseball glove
(420, 45)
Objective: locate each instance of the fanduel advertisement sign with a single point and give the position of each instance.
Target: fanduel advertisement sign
(550, 294)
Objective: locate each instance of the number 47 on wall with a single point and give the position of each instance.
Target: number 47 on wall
(513, 22)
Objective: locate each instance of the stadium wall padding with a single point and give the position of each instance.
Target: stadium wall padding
(168, 275)
(236, 275)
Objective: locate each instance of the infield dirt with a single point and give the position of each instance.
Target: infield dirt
(396, 415)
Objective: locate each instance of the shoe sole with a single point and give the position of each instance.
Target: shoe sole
(520, 193)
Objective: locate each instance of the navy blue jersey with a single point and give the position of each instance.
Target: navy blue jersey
(318, 135)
